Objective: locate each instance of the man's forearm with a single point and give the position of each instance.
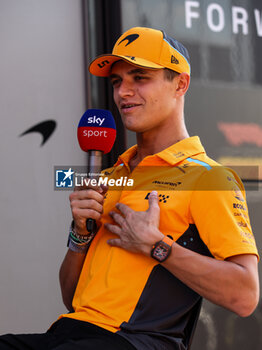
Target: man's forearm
(69, 275)
(232, 283)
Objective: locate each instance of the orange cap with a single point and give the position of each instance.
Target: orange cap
(144, 47)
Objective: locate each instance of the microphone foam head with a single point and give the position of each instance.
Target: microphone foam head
(96, 131)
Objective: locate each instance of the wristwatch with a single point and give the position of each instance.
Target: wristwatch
(162, 249)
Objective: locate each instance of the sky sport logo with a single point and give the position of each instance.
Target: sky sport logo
(64, 178)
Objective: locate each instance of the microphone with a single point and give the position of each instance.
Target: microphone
(96, 135)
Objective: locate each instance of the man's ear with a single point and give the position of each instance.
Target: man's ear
(182, 84)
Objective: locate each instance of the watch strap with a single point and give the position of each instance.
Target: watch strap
(162, 249)
(167, 240)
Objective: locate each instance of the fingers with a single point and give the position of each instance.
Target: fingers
(104, 189)
(116, 242)
(87, 194)
(153, 203)
(94, 212)
(88, 185)
(153, 199)
(87, 203)
(113, 228)
(124, 209)
(117, 218)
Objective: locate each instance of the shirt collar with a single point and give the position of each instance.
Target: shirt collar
(172, 155)
(181, 150)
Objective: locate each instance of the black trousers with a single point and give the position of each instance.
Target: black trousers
(67, 334)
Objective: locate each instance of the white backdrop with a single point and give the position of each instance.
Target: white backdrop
(42, 77)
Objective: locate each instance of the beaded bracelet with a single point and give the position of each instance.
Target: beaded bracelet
(78, 243)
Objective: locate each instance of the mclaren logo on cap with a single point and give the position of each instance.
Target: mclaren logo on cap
(130, 38)
(174, 60)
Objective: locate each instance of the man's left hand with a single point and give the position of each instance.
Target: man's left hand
(137, 230)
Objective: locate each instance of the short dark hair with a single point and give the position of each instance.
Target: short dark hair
(170, 74)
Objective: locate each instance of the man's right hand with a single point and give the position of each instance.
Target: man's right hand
(86, 202)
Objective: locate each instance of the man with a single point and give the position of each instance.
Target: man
(181, 233)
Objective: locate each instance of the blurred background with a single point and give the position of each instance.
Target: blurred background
(45, 88)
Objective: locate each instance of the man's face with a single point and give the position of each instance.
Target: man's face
(145, 99)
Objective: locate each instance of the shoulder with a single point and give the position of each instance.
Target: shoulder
(211, 175)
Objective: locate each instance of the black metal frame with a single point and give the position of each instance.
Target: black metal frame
(107, 19)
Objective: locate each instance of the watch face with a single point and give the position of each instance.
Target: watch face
(161, 251)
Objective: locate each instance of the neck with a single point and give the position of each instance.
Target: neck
(155, 142)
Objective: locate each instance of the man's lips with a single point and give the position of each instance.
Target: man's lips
(128, 106)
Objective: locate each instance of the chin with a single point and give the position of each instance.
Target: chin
(134, 128)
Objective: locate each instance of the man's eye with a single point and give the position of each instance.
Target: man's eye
(139, 77)
(115, 82)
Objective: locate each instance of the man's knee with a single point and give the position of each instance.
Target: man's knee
(7, 342)
(23, 341)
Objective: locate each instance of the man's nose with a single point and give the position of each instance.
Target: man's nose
(126, 89)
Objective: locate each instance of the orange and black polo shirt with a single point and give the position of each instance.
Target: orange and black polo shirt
(202, 206)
